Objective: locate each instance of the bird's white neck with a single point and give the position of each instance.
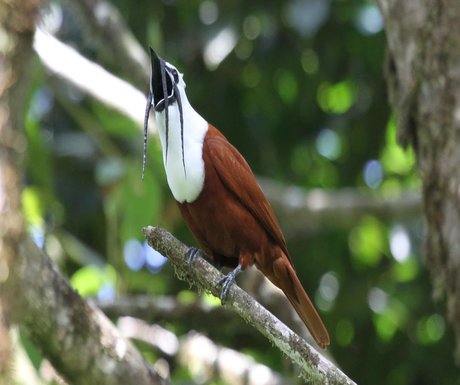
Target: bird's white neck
(185, 184)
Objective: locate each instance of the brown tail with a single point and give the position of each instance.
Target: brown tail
(285, 277)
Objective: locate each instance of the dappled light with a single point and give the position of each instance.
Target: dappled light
(218, 47)
(328, 290)
(298, 88)
(369, 20)
(373, 173)
(400, 244)
(336, 98)
(328, 144)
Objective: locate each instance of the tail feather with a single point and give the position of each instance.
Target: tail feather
(285, 277)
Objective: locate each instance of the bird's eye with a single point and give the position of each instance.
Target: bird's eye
(175, 75)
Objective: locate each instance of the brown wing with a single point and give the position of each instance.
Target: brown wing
(242, 183)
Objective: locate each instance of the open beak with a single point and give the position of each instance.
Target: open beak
(161, 83)
(155, 79)
(163, 92)
(152, 100)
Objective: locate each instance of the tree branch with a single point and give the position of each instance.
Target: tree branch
(89, 77)
(315, 369)
(17, 21)
(77, 338)
(301, 211)
(116, 41)
(423, 79)
(231, 366)
(169, 309)
(205, 360)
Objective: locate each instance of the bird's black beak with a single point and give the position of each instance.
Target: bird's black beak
(163, 93)
(160, 96)
(161, 83)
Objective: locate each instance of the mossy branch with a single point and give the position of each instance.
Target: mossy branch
(314, 368)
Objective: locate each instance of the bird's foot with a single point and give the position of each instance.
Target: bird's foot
(227, 282)
(192, 254)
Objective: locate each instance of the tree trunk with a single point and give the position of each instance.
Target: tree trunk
(423, 74)
(17, 23)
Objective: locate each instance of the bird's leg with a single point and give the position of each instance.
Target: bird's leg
(227, 282)
(192, 254)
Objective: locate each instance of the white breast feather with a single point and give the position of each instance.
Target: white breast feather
(185, 187)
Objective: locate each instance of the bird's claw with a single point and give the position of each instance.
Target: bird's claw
(192, 254)
(227, 282)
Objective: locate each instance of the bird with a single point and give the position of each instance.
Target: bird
(218, 195)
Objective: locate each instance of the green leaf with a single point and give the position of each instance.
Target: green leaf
(88, 280)
(186, 297)
(389, 321)
(38, 157)
(368, 241)
(114, 122)
(287, 87)
(211, 300)
(430, 329)
(394, 158)
(344, 332)
(336, 98)
(406, 271)
(32, 206)
(141, 202)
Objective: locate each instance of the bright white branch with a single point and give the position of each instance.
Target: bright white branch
(302, 212)
(90, 77)
(233, 367)
(115, 41)
(206, 361)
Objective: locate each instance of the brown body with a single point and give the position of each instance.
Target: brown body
(234, 224)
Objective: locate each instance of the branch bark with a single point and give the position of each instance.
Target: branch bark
(301, 212)
(206, 361)
(169, 309)
(17, 23)
(89, 77)
(77, 338)
(314, 368)
(116, 41)
(229, 366)
(423, 72)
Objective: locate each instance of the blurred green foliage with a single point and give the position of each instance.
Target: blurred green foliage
(299, 90)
